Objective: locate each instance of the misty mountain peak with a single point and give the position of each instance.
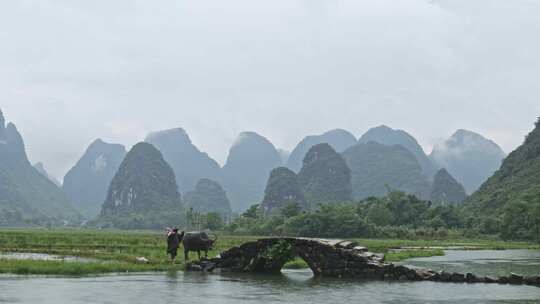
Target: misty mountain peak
(469, 140)
(250, 160)
(387, 136)
(249, 137)
(188, 162)
(27, 190)
(375, 167)
(176, 135)
(325, 177)
(469, 157)
(144, 186)
(252, 146)
(338, 139)
(87, 181)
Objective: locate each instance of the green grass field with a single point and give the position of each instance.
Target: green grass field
(117, 250)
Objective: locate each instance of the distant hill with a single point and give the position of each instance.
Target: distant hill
(143, 193)
(25, 194)
(250, 160)
(188, 162)
(208, 196)
(446, 189)
(325, 177)
(339, 140)
(388, 136)
(281, 190)
(509, 201)
(376, 168)
(41, 169)
(88, 181)
(469, 157)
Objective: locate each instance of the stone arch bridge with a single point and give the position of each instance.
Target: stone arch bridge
(333, 258)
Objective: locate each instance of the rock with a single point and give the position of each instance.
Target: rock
(207, 266)
(425, 274)
(142, 260)
(193, 267)
(444, 276)
(457, 277)
(360, 248)
(532, 280)
(471, 278)
(503, 280)
(515, 279)
(411, 274)
(347, 244)
(489, 279)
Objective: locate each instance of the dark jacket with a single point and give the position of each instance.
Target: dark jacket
(173, 242)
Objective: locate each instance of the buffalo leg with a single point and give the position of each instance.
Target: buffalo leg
(199, 254)
(186, 255)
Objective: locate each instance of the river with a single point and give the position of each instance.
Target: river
(293, 286)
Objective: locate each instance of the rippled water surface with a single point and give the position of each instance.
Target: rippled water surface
(292, 287)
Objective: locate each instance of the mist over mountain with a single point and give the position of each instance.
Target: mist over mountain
(87, 182)
(26, 194)
(339, 140)
(469, 157)
(376, 168)
(388, 136)
(250, 160)
(143, 192)
(188, 162)
(283, 189)
(325, 177)
(284, 155)
(41, 169)
(446, 189)
(208, 196)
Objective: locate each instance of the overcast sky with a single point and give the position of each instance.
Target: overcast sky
(73, 71)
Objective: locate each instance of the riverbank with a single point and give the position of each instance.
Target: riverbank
(118, 251)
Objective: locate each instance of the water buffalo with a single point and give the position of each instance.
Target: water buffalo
(197, 241)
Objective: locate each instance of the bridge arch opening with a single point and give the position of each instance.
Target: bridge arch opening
(276, 255)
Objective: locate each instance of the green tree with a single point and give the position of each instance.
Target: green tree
(290, 210)
(214, 221)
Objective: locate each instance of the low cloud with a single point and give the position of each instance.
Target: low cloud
(73, 71)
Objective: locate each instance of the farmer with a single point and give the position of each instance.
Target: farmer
(173, 242)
